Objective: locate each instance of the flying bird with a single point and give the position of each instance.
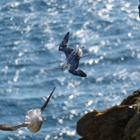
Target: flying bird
(33, 117)
(72, 57)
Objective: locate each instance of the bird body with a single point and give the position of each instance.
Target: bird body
(33, 117)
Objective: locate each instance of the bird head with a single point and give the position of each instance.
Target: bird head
(79, 51)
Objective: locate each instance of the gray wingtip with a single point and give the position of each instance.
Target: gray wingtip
(68, 33)
(66, 37)
(47, 101)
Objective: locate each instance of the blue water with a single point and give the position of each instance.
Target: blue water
(30, 33)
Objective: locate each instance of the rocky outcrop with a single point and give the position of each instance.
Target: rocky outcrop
(116, 123)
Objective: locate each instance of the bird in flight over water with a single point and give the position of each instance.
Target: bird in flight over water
(72, 57)
(33, 118)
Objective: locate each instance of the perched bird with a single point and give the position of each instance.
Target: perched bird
(33, 118)
(72, 57)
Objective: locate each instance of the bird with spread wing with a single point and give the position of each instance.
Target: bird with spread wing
(33, 119)
(72, 57)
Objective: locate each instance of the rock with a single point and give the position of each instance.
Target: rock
(132, 99)
(132, 129)
(116, 123)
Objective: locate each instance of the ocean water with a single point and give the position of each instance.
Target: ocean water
(30, 33)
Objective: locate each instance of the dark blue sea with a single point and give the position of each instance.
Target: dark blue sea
(30, 33)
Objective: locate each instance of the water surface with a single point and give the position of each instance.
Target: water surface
(30, 33)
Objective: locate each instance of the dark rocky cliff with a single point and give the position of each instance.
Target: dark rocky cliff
(116, 123)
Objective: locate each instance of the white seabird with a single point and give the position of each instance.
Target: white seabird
(33, 118)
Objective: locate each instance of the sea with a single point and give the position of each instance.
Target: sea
(30, 62)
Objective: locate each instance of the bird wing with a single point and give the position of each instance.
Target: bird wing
(7, 127)
(47, 101)
(78, 72)
(64, 45)
(73, 69)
